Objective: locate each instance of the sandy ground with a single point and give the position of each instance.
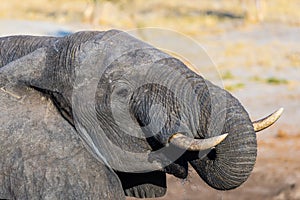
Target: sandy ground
(260, 65)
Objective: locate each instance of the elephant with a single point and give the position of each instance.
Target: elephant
(103, 115)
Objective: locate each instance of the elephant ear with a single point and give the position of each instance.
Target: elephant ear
(143, 185)
(25, 70)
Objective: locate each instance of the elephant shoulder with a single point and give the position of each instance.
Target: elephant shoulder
(41, 155)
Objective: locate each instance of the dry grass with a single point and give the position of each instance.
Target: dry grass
(189, 15)
(51, 10)
(294, 59)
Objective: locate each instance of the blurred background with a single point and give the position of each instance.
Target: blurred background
(252, 49)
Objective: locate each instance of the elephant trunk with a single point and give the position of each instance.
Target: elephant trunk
(230, 163)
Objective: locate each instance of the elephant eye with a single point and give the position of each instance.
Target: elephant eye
(123, 92)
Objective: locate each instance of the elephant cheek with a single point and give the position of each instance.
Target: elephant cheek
(230, 163)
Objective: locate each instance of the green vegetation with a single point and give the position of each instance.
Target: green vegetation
(271, 80)
(227, 75)
(234, 87)
(276, 81)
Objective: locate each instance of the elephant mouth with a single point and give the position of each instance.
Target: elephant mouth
(198, 149)
(179, 168)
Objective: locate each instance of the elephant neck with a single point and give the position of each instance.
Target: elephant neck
(58, 75)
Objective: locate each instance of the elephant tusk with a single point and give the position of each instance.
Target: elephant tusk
(184, 142)
(267, 121)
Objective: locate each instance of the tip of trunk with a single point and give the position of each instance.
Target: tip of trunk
(229, 164)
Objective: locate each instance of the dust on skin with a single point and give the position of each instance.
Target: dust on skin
(265, 50)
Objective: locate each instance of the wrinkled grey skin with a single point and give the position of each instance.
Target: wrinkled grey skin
(42, 158)
(41, 153)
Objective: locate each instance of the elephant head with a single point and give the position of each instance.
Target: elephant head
(139, 110)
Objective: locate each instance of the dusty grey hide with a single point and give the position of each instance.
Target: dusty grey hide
(89, 116)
